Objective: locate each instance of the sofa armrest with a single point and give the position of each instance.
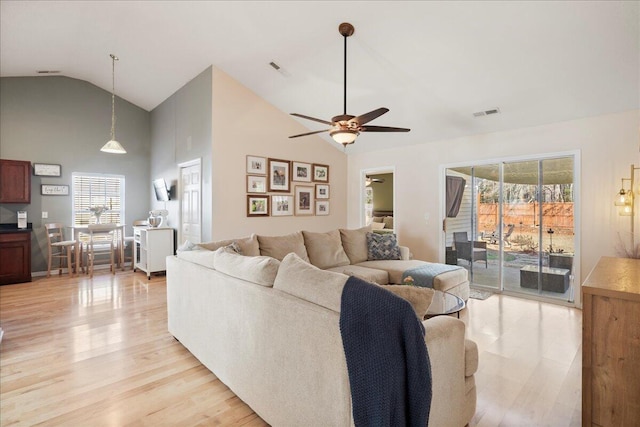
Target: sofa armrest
(405, 253)
(470, 358)
(445, 339)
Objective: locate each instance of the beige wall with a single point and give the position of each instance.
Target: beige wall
(243, 124)
(607, 144)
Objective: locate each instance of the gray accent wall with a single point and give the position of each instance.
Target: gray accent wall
(66, 121)
(180, 132)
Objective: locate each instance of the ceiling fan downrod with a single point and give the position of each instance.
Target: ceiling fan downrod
(346, 30)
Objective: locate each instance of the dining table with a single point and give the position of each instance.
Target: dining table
(77, 231)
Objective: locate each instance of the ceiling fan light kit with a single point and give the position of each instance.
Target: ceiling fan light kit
(345, 128)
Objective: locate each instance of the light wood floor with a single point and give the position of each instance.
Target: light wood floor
(82, 352)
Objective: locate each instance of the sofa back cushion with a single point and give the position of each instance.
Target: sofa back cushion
(261, 270)
(305, 281)
(354, 243)
(279, 246)
(248, 245)
(382, 247)
(325, 249)
(201, 257)
(388, 222)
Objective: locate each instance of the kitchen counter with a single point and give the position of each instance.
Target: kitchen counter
(13, 228)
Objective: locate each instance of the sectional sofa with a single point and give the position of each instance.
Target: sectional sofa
(268, 327)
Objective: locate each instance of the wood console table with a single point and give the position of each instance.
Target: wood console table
(611, 344)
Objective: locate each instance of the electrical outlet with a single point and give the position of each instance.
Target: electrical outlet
(45, 215)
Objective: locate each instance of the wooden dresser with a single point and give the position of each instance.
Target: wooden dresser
(611, 344)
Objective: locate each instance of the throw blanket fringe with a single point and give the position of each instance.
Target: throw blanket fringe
(424, 274)
(387, 359)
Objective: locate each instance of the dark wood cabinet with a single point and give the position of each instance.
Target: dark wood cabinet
(15, 257)
(15, 181)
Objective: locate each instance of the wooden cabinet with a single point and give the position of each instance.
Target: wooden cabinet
(15, 181)
(611, 344)
(153, 246)
(15, 257)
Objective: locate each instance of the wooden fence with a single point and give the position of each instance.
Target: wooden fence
(556, 215)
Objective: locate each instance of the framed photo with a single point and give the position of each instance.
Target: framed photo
(54, 190)
(256, 184)
(304, 200)
(257, 205)
(322, 191)
(281, 205)
(44, 169)
(322, 207)
(256, 165)
(301, 172)
(279, 172)
(320, 173)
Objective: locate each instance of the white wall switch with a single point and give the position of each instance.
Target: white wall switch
(45, 215)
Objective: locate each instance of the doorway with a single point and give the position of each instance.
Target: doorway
(379, 198)
(514, 229)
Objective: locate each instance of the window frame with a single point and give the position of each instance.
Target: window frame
(107, 196)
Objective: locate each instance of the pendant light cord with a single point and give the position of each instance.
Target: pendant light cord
(113, 96)
(345, 75)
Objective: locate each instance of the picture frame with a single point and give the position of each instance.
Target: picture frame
(256, 184)
(301, 172)
(256, 165)
(322, 191)
(304, 200)
(47, 169)
(257, 206)
(322, 207)
(54, 190)
(279, 175)
(320, 173)
(282, 205)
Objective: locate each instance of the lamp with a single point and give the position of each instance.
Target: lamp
(113, 146)
(344, 136)
(624, 197)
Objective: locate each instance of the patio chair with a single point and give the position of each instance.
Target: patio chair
(470, 251)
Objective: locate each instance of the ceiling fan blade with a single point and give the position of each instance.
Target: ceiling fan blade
(367, 117)
(309, 133)
(312, 118)
(382, 129)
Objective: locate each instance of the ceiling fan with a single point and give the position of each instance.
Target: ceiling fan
(345, 128)
(370, 181)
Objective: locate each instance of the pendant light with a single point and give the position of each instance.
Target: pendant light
(113, 146)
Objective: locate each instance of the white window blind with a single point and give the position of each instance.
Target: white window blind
(93, 190)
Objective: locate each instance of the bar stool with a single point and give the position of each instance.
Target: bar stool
(60, 248)
(101, 242)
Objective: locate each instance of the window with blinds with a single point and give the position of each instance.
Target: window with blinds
(97, 192)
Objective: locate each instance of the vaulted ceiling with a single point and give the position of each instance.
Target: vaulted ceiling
(433, 64)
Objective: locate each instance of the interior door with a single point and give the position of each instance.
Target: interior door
(190, 208)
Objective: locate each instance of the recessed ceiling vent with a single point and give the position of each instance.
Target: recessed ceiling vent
(48, 72)
(487, 112)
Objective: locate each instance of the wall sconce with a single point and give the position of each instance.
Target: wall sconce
(624, 198)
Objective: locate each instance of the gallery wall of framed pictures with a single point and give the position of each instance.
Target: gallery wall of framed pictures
(278, 187)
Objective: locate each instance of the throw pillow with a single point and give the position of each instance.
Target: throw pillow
(388, 222)
(325, 249)
(261, 270)
(187, 246)
(354, 243)
(382, 247)
(377, 225)
(420, 298)
(248, 245)
(305, 281)
(235, 247)
(279, 246)
(378, 218)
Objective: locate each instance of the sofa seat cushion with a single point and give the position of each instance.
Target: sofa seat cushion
(280, 246)
(381, 277)
(261, 270)
(303, 280)
(325, 249)
(395, 268)
(203, 257)
(354, 243)
(248, 245)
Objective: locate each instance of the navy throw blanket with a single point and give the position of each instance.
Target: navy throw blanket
(424, 275)
(387, 359)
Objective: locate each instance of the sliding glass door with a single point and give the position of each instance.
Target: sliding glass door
(512, 225)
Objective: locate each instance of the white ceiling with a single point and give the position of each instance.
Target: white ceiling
(433, 64)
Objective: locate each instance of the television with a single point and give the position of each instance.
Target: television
(162, 191)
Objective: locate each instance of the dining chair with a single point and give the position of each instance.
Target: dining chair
(102, 241)
(60, 248)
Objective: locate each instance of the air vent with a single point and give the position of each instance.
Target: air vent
(274, 65)
(48, 72)
(486, 112)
